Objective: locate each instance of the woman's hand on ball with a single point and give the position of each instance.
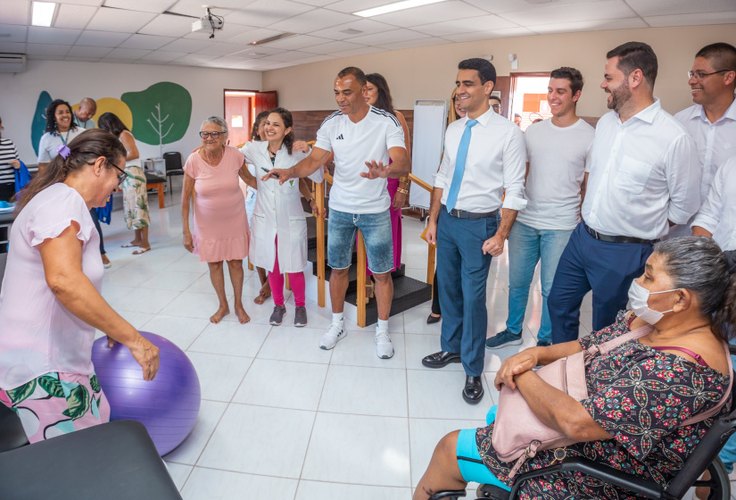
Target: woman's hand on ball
(146, 354)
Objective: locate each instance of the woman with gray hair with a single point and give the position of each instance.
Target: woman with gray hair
(220, 225)
(643, 396)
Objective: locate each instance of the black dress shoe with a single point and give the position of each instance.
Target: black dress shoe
(473, 391)
(440, 359)
(432, 319)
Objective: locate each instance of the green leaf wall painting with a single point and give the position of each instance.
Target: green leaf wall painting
(157, 115)
(161, 113)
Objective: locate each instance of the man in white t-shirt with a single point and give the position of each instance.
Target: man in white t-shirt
(643, 177)
(557, 151)
(362, 139)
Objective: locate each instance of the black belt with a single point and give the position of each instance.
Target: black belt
(616, 239)
(462, 214)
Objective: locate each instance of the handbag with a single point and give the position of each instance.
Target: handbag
(518, 434)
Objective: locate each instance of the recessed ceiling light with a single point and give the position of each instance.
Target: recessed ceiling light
(393, 7)
(271, 39)
(43, 13)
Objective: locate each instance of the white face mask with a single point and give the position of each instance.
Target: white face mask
(639, 300)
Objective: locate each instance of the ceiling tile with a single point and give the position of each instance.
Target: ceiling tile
(194, 8)
(435, 13)
(266, 12)
(12, 47)
(107, 19)
(220, 49)
(255, 52)
(94, 3)
(183, 45)
(149, 42)
(581, 11)
(157, 6)
(408, 44)
(615, 24)
(358, 52)
(15, 11)
(312, 21)
(648, 8)
(689, 19)
(388, 37)
(350, 6)
(122, 53)
(365, 26)
(297, 42)
(45, 50)
(36, 34)
(252, 35)
(458, 27)
(317, 3)
(74, 16)
(334, 47)
(101, 38)
(163, 56)
(13, 33)
(288, 56)
(168, 25)
(79, 51)
(485, 35)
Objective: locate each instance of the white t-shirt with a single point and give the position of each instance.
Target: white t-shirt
(557, 158)
(37, 333)
(353, 144)
(50, 143)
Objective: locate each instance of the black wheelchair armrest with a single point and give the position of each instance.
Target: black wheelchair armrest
(448, 495)
(638, 486)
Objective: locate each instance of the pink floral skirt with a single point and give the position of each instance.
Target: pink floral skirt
(57, 403)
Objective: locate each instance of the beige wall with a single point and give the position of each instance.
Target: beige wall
(429, 72)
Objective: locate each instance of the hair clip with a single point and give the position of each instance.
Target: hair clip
(64, 151)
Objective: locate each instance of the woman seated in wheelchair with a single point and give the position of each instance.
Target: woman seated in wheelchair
(639, 394)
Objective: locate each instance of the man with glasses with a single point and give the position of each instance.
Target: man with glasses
(711, 121)
(642, 178)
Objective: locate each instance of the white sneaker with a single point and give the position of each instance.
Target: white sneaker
(384, 347)
(330, 339)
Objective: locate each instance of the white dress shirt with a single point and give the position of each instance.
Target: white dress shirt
(718, 213)
(716, 142)
(642, 173)
(496, 162)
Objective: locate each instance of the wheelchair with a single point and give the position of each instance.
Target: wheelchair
(703, 459)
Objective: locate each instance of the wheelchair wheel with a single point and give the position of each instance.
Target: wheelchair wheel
(718, 483)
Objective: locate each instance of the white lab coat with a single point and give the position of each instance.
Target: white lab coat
(278, 211)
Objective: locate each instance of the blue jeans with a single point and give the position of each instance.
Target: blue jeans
(462, 269)
(728, 452)
(376, 229)
(526, 246)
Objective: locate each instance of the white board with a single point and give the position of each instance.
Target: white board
(430, 120)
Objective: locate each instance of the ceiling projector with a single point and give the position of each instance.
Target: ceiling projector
(208, 23)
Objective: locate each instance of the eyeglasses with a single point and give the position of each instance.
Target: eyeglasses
(214, 135)
(699, 75)
(121, 176)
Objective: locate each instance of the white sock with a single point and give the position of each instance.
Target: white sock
(382, 326)
(337, 319)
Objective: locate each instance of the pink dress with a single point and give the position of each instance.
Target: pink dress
(220, 225)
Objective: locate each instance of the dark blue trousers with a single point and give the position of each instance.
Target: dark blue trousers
(462, 270)
(589, 264)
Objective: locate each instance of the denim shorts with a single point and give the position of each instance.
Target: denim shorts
(376, 229)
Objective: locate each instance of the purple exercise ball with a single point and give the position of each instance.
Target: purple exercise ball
(167, 406)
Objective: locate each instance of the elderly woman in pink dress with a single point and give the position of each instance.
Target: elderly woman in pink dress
(50, 303)
(221, 227)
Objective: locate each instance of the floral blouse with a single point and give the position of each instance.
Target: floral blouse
(638, 395)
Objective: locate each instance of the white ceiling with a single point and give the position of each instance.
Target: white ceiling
(158, 31)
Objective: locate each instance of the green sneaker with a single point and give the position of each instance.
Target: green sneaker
(503, 339)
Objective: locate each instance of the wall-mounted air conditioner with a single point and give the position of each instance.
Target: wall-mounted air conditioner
(12, 63)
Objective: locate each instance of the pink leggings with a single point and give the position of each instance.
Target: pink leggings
(276, 281)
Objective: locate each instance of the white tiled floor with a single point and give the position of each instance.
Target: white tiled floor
(280, 418)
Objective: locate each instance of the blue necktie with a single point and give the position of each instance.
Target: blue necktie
(462, 155)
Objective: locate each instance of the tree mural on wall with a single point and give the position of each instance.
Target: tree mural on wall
(157, 115)
(161, 113)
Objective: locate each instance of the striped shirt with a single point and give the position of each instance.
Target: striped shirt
(8, 153)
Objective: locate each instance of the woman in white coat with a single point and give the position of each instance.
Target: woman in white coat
(279, 228)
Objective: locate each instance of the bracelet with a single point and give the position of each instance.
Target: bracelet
(402, 191)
